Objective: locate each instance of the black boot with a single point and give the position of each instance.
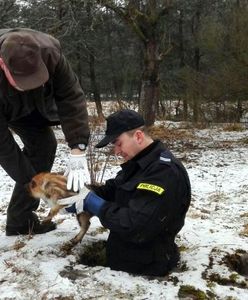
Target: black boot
(33, 227)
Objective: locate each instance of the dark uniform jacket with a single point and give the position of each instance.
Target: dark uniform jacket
(59, 101)
(145, 209)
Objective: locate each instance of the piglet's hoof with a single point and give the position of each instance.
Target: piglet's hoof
(67, 247)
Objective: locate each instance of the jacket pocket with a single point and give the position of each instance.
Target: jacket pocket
(125, 192)
(129, 186)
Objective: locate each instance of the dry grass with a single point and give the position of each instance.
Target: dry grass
(18, 245)
(98, 230)
(244, 141)
(162, 133)
(244, 232)
(10, 265)
(233, 127)
(96, 121)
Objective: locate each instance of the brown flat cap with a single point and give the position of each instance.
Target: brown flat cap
(21, 54)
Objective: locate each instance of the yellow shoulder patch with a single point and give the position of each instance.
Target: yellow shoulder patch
(150, 187)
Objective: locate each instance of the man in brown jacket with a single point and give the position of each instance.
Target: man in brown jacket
(38, 89)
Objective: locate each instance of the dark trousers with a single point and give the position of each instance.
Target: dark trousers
(154, 258)
(39, 147)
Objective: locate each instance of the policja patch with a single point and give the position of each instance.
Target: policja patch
(150, 187)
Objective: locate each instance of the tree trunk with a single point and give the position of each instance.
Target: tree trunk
(181, 41)
(185, 109)
(117, 88)
(94, 86)
(196, 98)
(182, 59)
(93, 82)
(239, 110)
(149, 95)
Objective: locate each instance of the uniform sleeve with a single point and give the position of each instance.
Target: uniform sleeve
(106, 191)
(148, 213)
(71, 104)
(11, 157)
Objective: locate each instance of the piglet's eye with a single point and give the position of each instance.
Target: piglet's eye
(33, 184)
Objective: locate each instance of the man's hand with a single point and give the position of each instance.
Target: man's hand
(75, 204)
(77, 171)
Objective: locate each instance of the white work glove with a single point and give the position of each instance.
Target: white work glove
(74, 204)
(77, 171)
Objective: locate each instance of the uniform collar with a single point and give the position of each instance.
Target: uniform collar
(146, 156)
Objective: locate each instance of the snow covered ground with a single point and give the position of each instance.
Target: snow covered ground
(212, 240)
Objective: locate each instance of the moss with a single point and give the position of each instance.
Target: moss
(94, 254)
(232, 280)
(173, 279)
(237, 262)
(244, 141)
(183, 266)
(233, 277)
(183, 248)
(188, 291)
(211, 284)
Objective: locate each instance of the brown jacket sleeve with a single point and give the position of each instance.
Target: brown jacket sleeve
(71, 104)
(67, 92)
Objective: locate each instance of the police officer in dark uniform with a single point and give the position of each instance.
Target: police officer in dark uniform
(144, 207)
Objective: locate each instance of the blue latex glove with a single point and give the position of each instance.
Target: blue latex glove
(93, 204)
(84, 201)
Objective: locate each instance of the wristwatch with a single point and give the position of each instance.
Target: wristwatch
(81, 147)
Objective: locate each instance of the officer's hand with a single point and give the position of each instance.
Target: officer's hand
(75, 204)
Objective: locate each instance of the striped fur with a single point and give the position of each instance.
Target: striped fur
(50, 187)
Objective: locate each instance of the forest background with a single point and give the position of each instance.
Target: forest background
(190, 55)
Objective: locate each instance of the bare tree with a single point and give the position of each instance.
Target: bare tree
(8, 9)
(144, 18)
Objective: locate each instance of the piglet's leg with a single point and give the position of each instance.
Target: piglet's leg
(84, 222)
(53, 212)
